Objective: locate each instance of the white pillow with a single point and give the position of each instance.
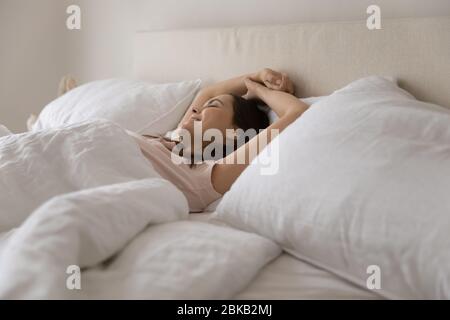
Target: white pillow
(363, 180)
(312, 100)
(4, 131)
(135, 105)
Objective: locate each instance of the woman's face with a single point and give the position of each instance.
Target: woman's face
(216, 113)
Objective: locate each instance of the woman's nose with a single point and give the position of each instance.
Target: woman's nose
(196, 114)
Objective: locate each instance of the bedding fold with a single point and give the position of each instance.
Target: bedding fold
(84, 197)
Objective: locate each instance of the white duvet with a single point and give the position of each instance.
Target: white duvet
(84, 195)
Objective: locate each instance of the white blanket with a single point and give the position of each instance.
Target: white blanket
(84, 195)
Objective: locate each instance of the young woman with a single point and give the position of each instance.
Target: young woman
(230, 104)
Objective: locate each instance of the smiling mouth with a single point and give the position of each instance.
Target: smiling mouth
(190, 121)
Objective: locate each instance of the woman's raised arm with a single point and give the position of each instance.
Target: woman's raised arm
(231, 86)
(270, 78)
(285, 105)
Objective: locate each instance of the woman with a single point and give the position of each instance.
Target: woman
(230, 104)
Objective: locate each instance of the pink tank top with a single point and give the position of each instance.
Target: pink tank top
(194, 182)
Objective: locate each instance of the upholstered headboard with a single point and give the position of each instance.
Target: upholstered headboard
(319, 57)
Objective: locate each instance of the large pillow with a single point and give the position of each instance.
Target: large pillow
(135, 105)
(362, 190)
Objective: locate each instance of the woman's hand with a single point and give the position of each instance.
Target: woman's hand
(254, 89)
(276, 80)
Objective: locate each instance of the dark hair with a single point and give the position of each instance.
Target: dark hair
(247, 114)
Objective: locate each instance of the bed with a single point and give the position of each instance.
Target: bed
(201, 260)
(320, 57)
(287, 278)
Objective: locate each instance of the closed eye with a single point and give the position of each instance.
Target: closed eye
(214, 103)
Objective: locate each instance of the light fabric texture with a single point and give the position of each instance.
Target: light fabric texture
(36, 166)
(288, 278)
(182, 260)
(135, 105)
(84, 195)
(363, 180)
(319, 57)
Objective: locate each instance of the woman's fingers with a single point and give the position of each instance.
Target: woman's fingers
(282, 86)
(286, 84)
(249, 83)
(253, 88)
(289, 85)
(270, 85)
(279, 81)
(275, 79)
(273, 82)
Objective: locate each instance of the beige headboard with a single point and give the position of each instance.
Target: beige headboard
(319, 57)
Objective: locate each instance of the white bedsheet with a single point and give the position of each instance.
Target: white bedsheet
(85, 195)
(182, 260)
(287, 277)
(290, 278)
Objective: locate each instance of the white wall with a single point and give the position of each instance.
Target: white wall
(32, 57)
(104, 46)
(37, 49)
